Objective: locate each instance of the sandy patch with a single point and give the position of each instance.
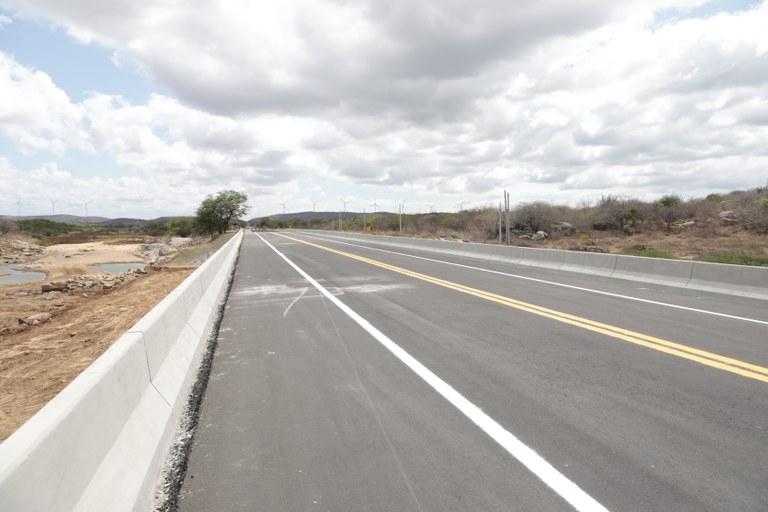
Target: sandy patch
(59, 261)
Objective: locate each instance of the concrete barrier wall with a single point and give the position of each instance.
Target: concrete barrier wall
(100, 444)
(653, 270)
(735, 279)
(714, 277)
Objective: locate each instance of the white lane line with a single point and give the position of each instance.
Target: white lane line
(544, 281)
(558, 482)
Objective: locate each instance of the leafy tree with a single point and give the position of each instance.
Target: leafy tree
(668, 201)
(215, 214)
(182, 226)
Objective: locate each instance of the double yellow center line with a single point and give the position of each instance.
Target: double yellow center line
(728, 364)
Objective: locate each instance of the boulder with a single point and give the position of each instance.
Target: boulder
(35, 319)
(539, 235)
(729, 217)
(54, 287)
(562, 226)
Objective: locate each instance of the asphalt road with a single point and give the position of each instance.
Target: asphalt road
(360, 379)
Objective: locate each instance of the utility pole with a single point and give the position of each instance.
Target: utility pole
(506, 209)
(400, 205)
(345, 209)
(373, 214)
(364, 226)
(499, 223)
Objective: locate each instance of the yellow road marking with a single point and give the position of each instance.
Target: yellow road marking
(728, 364)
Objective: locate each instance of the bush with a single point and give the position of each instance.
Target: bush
(612, 213)
(533, 217)
(7, 227)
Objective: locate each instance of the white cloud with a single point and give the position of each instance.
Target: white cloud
(412, 97)
(35, 113)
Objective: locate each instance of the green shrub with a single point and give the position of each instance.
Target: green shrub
(651, 252)
(737, 258)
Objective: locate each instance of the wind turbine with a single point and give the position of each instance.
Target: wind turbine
(18, 206)
(431, 208)
(284, 206)
(314, 203)
(460, 205)
(53, 207)
(373, 213)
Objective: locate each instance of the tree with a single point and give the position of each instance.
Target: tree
(215, 214)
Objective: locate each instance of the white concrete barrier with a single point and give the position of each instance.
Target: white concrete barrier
(591, 262)
(100, 444)
(735, 279)
(653, 270)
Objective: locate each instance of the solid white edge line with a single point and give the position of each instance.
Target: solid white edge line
(547, 473)
(544, 281)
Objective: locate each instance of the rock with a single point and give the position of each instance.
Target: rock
(525, 237)
(54, 287)
(562, 226)
(729, 217)
(35, 319)
(539, 235)
(605, 226)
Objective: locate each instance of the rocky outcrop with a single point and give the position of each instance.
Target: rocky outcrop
(79, 282)
(16, 251)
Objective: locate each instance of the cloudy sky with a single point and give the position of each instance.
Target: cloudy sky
(142, 111)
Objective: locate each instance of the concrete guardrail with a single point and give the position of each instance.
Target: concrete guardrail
(738, 280)
(101, 443)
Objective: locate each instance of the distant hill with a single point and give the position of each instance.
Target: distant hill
(77, 219)
(318, 215)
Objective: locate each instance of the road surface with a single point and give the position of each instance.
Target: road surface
(352, 377)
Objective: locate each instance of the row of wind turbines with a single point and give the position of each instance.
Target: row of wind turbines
(400, 205)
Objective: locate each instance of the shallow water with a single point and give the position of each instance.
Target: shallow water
(9, 275)
(116, 268)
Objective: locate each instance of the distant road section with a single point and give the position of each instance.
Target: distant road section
(351, 377)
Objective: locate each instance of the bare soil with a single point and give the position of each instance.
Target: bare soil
(47, 339)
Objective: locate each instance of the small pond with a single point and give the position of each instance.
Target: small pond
(9, 275)
(116, 268)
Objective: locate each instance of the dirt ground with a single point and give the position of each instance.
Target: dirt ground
(47, 339)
